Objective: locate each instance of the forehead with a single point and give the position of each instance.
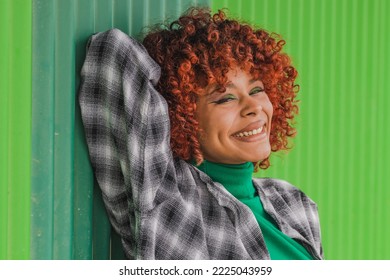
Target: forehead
(235, 78)
(238, 74)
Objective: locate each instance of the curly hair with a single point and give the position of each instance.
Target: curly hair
(199, 49)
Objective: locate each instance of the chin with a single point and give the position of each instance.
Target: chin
(261, 155)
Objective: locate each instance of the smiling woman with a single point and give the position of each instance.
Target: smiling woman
(175, 128)
(196, 53)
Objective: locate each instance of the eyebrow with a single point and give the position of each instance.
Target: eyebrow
(214, 91)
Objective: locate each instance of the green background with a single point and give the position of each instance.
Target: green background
(15, 128)
(339, 158)
(49, 207)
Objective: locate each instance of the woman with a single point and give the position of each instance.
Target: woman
(175, 132)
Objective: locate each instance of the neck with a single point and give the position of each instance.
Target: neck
(236, 178)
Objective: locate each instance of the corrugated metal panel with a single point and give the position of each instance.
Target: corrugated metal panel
(68, 219)
(52, 142)
(15, 128)
(3, 130)
(341, 50)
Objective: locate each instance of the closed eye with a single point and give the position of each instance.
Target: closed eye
(225, 99)
(256, 90)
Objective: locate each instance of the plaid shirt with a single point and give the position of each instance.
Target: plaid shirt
(164, 207)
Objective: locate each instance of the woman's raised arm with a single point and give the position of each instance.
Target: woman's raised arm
(127, 127)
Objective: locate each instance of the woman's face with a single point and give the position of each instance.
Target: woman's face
(235, 124)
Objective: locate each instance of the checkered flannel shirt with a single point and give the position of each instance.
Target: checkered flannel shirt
(161, 206)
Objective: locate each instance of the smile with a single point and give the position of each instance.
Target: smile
(249, 133)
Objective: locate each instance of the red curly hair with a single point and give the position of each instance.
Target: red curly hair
(199, 49)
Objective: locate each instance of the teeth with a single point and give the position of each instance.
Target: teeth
(249, 133)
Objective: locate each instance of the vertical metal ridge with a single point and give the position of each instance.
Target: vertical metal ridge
(64, 103)
(42, 180)
(322, 59)
(103, 14)
(387, 116)
(374, 129)
(345, 130)
(137, 12)
(383, 119)
(300, 51)
(83, 177)
(121, 15)
(18, 129)
(335, 57)
(4, 126)
(375, 133)
(360, 119)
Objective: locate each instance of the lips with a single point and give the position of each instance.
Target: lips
(251, 129)
(250, 133)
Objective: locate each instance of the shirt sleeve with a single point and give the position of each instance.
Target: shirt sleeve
(127, 128)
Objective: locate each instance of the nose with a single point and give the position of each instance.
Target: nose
(250, 107)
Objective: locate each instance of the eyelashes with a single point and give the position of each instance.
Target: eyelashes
(256, 90)
(225, 99)
(230, 97)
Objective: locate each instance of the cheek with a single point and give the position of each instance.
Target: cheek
(207, 130)
(210, 130)
(215, 124)
(222, 127)
(268, 108)
(270, 111)
(215, 135)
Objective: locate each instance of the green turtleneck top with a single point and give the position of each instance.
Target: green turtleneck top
(237, 179)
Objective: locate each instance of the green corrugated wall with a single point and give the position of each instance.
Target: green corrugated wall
(15, 128)
(340, 155)
(67, 215)
(49, 207)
